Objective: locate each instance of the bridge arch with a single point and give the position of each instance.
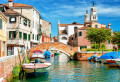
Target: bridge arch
(55, 46)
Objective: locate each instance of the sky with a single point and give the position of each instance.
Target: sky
(68, 11)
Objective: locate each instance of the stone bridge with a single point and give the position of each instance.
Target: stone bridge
(55, 47)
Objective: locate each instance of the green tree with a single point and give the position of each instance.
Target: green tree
(98, 35)
(116, 38)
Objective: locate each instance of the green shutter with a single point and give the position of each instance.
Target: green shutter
(15, 34)
(108, 41)
(20, 34)
(29, 37)
(37, 37)
(33, 36)
(10, 34)
(15, 19)
(9, 19)
(80, 33)
(1, 23)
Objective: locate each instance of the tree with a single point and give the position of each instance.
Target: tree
(116, 38)
(98, 35)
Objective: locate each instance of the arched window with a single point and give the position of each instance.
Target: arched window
(64, 38)
(75, 28)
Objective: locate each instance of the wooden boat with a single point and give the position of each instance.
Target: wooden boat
(36, 68)
(37, 54)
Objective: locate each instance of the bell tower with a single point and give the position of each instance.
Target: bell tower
(86, 17)
(93, 14)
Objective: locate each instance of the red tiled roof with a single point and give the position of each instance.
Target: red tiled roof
(63, 32)
(85, 27)
(10, 0)
(75, 24)
(10, 11)
(63, 25)
(19, 5)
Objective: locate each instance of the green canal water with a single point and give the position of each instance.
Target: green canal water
(76, 71)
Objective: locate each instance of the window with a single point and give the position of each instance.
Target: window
(10, 51)
(24, 36)
(75, 28)
(75, 35)
(37, 37)
(20, 20)
(29, 37)
(96, 26)
(33, 24)
(12, 34)
(29, 23)
(12, 19)
(20, 35)
(0, 23)
(108, 41)
(80, 33)
(64, 38)
(81, 47)
(25, 22)
(33, 36)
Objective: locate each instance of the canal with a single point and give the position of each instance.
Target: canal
(76, 71)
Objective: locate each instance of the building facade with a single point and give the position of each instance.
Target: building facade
(18, 32)
(34, 15)
(46, 30)
(3, 35)
(66, 30)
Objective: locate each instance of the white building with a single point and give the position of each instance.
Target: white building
(66, 30)
(34, 15)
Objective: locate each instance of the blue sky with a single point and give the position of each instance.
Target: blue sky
(68, 11)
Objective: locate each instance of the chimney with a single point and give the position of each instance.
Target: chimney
(109, 25)
(10, 3)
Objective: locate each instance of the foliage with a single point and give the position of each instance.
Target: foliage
(103, 46)
(93, 46)
(28, 60)
(83, 49)
(98, 35)
(16, 71)
(116, 38)
(100, 49)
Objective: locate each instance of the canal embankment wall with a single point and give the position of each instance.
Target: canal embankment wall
(83, 56)
(6, 66)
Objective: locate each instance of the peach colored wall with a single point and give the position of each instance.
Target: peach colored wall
(82, 40)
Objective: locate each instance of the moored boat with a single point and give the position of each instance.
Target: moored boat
(37, 54)
(36, 68)
(117, 61)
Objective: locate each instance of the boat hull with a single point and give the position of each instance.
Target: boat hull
(118, 61)
(103, 61)
(37, 70)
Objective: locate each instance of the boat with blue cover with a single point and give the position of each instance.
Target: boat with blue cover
(110, 57)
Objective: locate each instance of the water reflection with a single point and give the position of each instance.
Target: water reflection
(74, 71)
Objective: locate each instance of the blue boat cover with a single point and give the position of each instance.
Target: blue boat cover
(94, 56)
(47, 54)
(111, 55)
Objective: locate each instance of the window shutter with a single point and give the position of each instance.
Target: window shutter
(1, 23)
(81, 33)
(9, 19)
(15, 19)
(15, 34)
(28, 36)
(10, 34)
